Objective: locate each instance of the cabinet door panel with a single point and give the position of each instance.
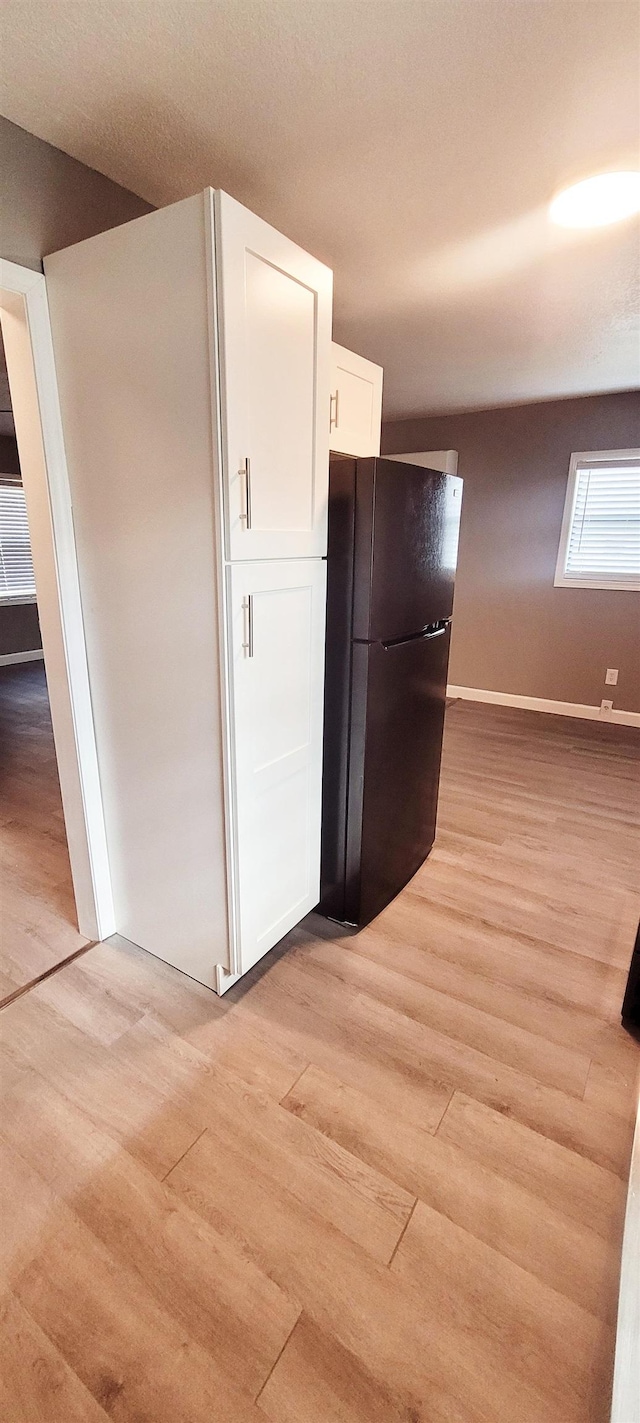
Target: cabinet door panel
(355, 408)
(277, 614)
(274, 317)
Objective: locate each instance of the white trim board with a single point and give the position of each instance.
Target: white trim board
(625, 1407)
(541, 704)
(34, 397)
(7, 659)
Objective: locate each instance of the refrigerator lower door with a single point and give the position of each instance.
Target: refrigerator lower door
(398, 697)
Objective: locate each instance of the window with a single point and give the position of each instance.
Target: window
(17, 583)
(600, 538)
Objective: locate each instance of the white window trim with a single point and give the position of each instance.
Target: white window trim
(561, 581)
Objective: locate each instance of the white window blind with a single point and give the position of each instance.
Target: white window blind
(600, 541)
(16, 567)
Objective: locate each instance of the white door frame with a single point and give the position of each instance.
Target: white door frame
(34, 396)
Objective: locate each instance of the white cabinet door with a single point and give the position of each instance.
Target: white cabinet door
(355, 403)
(277, 616)
(274, 327)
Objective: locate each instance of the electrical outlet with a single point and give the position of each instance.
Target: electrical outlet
(611, 679)
(605, 707)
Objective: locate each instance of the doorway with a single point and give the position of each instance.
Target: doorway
(57, 889)
(39, 925)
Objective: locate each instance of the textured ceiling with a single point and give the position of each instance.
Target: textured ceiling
(412, 144)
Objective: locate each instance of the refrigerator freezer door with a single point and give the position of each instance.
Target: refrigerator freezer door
(398, 698)
(406, 548)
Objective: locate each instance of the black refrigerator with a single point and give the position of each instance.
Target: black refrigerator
(393, 542)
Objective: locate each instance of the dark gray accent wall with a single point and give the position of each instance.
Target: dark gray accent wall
(19, 628)
(49, 201)
(513, 631)
(9, 462)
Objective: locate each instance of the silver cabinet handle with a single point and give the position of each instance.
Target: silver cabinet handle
(333, 419)
(247, 612)
(245, 474)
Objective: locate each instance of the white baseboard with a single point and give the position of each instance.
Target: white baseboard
(541, 704)
(8, 658)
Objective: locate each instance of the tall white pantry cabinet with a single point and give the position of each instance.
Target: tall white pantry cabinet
(192, 350)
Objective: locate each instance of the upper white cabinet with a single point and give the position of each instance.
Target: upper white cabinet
(276, 613)
(355, 404)
(274, 323)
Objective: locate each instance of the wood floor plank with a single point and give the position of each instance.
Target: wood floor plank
(614, 853)
(526, 864)
(478, 1289)
(561, 1023)
(131, 1356)
(34, 938)
(39, 926)
(365, 1205)
(146, 986)
(91, 1075)
(565, 1179)
(77, 997)
(383, 1179)
(184, 1067)
(198, 1278)
(430, 1059)
(36, 1383)
(321, 1028)
(545, 913)
(514, 958)
(181, 1014)
(348, 1294)
(27, 1206)
(317, 1379)
(613, 1088)
(562, 1118)
(513, 1044)
(571, 1257)
(221, 1299)
(46, 1131)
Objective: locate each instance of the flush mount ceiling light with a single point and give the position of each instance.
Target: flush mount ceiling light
(595, 202)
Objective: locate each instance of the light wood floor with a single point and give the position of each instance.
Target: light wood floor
(38, 926)
(383, 1180)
